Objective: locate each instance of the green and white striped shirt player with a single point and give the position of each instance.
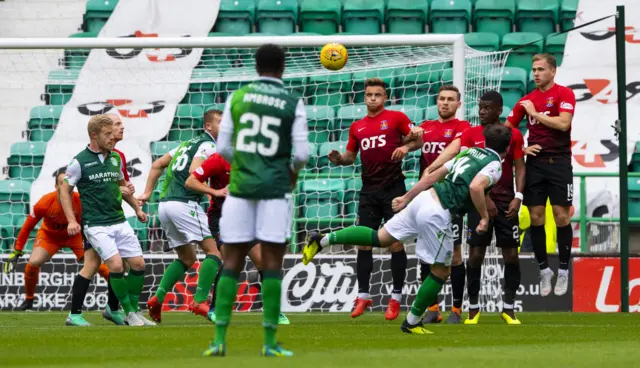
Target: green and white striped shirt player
(263, 134)
(180, 214)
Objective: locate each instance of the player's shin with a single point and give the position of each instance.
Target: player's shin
(174, 273)
(364, 267)
(458, 279)
(398, 272)
(474, 273)
(31, 274)
(426, 296)
(121, 289)
(78, 292)
(227, 289)
(539, 243)
(135, 283)
(206, 276)
(565, 239)
(271, 296)
(511, 284)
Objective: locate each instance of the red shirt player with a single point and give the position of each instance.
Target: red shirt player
(503, 204)
(549, 109)
(433, 136)
(378, 137)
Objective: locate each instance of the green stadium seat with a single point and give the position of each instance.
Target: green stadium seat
(505, 113)
(407, 16)
(495, 16)
(187, 123)
(319, 120)
(159, 149)
(431, 113)
(634, 197)
(6, 234)
(277, 16)
(320, 16)
(483, 41)
(634, 166)
(348, 114)
(413, 112)
(513, 85)
(539, 16)
(411, 162)
(351, 197)
(568, 11)
(235, 78)
(59, 87)
(297, 84)
(521, 57)
(141, 230)
(25, 160)
(418, 85)
(14, 199)
(43, 121)
(203, 87)
(321, 198)
(387, 75)
(236, 17)
(555, 46)
(75, 58)
(325, 167)
(97, 13)
(450, 16)
(219, 59)
(313, 158)
(363, 16)
(329, 89)
(410, 182)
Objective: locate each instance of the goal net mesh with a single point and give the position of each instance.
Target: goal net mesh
(39, 85)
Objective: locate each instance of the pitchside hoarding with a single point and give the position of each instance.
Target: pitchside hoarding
(596, 285)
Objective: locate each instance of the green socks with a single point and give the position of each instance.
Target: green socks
(427, 295)
(226, 291)
(206, 276)
(135, 282)
(271, 295)
(355, 235)
(174, 273)
(121, 289)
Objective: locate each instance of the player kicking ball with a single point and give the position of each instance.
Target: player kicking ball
(216, 171)
(183, 220)
(453, 189)
(97, 172)
(263, 126)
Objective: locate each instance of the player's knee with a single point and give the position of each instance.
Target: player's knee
(188, 260)
(397, 247)
(475, 259)
(510, 255)
(136, 263)
(537, 215)
(561, 216)
(441, 271)
(362, 247)
(456, 259)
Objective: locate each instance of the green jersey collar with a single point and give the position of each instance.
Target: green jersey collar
(271, 80)
(95, 152)
(209, 134)
(494, 152)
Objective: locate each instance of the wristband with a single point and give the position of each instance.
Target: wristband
(519, 196)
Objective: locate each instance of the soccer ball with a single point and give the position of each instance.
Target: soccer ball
(333, 56)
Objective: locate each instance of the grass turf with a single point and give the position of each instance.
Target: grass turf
(324, 340)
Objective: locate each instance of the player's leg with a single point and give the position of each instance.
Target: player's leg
(507, 238)
(255, 255)
(91, 264)
(561, 198)
(478, 244)
(206, 275)
(43, 250)
(535, 198)
(398, 255)
(214, 228)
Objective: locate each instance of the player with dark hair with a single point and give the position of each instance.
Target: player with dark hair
(378, 137)
(432, 137)
(452, 190)
(549, 109)
(263, 135)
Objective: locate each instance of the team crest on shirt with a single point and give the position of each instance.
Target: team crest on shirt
(114, 162)
(384, 125)
(550, 102)
(448, 133)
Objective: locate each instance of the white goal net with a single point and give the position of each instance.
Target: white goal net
(162, 87)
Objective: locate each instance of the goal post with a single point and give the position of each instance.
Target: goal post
(162, 86)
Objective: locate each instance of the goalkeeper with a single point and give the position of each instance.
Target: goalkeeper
(51, 237)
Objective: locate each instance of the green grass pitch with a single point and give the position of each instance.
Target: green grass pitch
(325, 340)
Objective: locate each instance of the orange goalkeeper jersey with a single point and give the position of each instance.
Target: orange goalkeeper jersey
(55, 222)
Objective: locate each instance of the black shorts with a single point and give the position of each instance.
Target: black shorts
(548, 178)
(507, 230)
(214, 227)
(376, 206)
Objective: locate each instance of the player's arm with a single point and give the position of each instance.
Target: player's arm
(225, 147)
(28, 225)
(488, 176)
(426, 181)
(446, 155)
(206, 150)
(561, 122)
(516, 115)
(71, 178)
(133, 202)
(299, 142)
(157, 168)
(405, 127)
(518, 163)
(196, 181)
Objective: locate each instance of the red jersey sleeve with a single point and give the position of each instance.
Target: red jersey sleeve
(124, 165)
(462, 126)
(518, 144)
(352, 145)
(567, 101)
(404, 124)
(212, 166)
(465, 140)
(516, 115)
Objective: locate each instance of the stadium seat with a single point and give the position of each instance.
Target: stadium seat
(413, 112)
(42, 122)
(450, 16)
(555, 46)
(505, 113)
(513, 85)
(483, 41)
(25, 160)
(418, 86)
(236, 17)
(410, 182)
(321, 198)
(313, 158)
(495, 16)
(6, 233)
(159, 149)
(325, 167)
(320, 16)
(297, 84)
(319, 120)
(634, 197)
(235, 78)
(411, 162)
(277, 16)
(141, 230)
(97, 13)
(539, 16)
(14, 198)
(407, 16)
(363, 16)
(75, 58)
(348, 114)
(351, 197)
(219, 59)
(187, 123)
(329, 89)
(59, 87)
(521, 57)
(568, 11)
(387, 75)
(203, 87)
(431, 113)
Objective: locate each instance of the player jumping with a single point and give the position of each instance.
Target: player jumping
(216, 171)
(183, 220)
(432, 137)
(263, 126)
(550, 109)
(453, 189)
(378, 137)
(97, 172)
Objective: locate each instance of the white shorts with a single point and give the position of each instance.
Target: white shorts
(245, 220)
(183, 223)
(426, 220)
(113, 239)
